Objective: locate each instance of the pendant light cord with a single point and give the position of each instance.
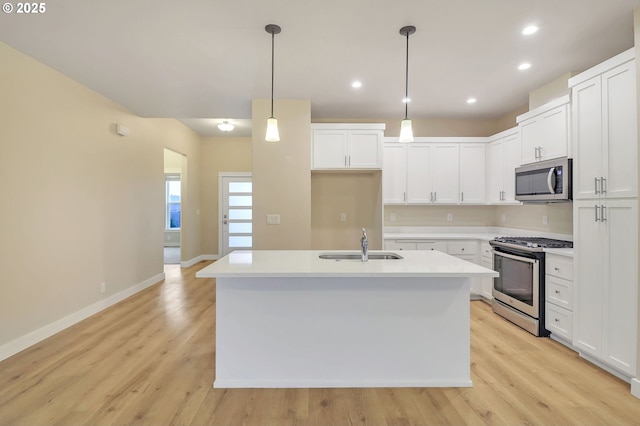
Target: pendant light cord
(406, 79)
(273, 36)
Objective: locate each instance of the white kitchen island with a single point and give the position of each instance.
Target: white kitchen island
(288, 319)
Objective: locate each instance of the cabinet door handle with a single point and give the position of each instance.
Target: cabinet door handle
(596, 180)
(603, 185)
(435, 196)
(462, 197)
(597, 217)
(556, 268)
(536, 155)
(349, 161)
(557, 291)
(603, 211)
(404, 196)
(345, 161)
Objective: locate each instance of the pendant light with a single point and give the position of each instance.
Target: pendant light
(406, 132)
(272, 123)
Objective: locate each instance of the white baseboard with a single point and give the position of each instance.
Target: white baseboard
(36, 336)
(635, 387)
(191, 262)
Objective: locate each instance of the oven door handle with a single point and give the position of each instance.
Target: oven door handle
(514, 257)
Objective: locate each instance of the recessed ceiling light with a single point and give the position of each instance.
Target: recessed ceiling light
(472, 100)
(406, 100)
(356, 84)
(524, 66)
(531, 29)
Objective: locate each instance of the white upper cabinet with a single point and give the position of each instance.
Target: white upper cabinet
(604, 130)
(544, 132)
(346, 146)
(503, 156)
(421, 172)
(472, 173)
(394, 173)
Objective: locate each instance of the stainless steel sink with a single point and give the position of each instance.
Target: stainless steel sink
(357, 256)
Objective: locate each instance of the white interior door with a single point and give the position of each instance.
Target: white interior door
(236, 218)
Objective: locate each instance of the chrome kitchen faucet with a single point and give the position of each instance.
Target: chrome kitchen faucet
(364, 243)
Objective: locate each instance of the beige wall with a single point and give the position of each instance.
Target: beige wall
(81, 205)
(550, 91)
(432, 126)
(559, 216)
(219, 155)
(529, 217)
(281, 175)
(359, 196)
(437, 215)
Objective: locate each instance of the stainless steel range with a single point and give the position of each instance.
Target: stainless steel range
(519, 290)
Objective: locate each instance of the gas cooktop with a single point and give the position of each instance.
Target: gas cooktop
(532, 242)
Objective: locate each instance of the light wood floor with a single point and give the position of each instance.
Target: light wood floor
(150, 360)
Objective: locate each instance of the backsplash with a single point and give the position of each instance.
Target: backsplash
(559, 217)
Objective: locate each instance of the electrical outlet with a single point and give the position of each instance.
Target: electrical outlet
(343, 217)
(273, 219)
(393, 217)
(503, 218)
(103, 287)
(545, 219)
(449, 217)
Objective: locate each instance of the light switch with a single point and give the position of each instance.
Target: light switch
(273, 219)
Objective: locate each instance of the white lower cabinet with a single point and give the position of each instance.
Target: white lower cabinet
(462, 249)
(606, 276)
(410, 244)
(559, 297)
(486, 260)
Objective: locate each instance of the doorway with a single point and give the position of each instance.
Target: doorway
(174, 167)
(236, 212)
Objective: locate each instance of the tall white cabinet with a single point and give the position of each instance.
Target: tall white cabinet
(605, 219)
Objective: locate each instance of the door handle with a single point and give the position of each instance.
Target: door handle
(551, 180)
(597, 217)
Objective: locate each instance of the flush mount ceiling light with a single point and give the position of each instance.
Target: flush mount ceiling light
(524, 66)
(531, 29)
(406, 131)
(272, 124)
(225, 126)
(472, 100)
(356, 84)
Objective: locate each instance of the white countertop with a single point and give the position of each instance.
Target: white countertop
(306, 263)
(562, 252)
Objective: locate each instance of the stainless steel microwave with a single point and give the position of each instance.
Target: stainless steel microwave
(545, 182)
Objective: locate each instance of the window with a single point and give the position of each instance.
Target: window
(172, 201)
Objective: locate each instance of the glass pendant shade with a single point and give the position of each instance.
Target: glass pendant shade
(406, 131)
(272, 130)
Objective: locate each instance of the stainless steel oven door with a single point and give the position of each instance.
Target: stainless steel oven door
(519, 282)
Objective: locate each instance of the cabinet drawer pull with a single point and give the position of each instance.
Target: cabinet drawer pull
(557, 291)
(556, 268)
(556, 320)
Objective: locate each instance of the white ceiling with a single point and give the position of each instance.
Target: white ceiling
(208, 58)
